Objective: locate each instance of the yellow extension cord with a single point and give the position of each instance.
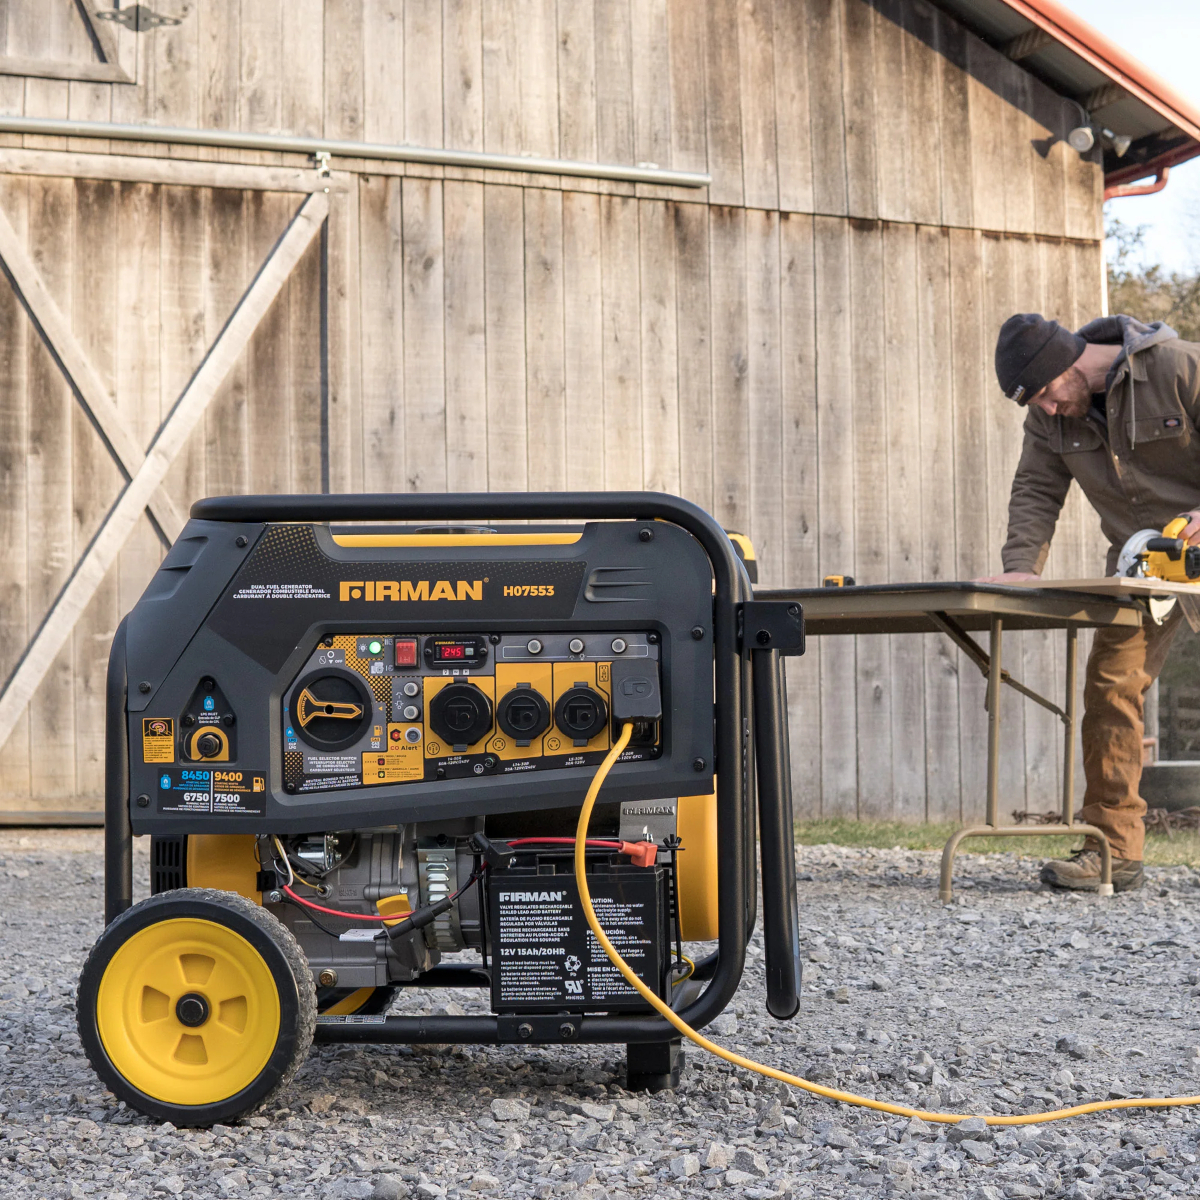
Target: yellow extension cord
(771, 1072)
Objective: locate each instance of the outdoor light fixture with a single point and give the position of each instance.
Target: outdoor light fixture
(1120, 142)
(1081, 138)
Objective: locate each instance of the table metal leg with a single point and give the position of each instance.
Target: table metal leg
(994, 680)
(993, 828)
(1069, 708)
(1070, 714)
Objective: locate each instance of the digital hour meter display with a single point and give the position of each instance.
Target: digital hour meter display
(462, 651)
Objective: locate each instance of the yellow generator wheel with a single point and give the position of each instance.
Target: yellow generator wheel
(196, 1006)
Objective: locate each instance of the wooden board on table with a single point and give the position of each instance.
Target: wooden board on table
(1117, 585)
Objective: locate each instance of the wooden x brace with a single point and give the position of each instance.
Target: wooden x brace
(145, 472)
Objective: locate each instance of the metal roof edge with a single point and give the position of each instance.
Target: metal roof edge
(1111, 60)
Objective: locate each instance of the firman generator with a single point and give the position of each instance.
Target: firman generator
(358, 731)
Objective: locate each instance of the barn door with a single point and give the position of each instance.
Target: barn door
(158, 343)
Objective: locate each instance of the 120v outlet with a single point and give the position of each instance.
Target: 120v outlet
(581, 713)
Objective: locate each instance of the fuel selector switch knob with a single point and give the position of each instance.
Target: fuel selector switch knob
(523, 714)
(460, 714)
(581, 713)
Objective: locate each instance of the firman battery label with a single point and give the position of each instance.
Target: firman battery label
(547, 959)
(211, 790)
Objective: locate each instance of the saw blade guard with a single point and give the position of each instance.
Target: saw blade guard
(1131, 563)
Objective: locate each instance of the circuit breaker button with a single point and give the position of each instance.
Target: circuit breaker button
(406, 652)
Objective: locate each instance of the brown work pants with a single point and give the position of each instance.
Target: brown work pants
(1124, 662)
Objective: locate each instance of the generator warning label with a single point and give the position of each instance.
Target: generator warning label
(210, 790)
(547, 957)
(158, 739)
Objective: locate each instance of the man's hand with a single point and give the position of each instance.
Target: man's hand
(1025, 576)
(1191, 533)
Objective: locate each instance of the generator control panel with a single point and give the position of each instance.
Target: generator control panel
(369, 709)
(286, 676)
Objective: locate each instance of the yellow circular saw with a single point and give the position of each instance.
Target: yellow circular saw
(1149, 554)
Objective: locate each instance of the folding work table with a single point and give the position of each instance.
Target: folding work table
(960, 609)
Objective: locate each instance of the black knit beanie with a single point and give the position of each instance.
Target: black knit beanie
(1032, 352)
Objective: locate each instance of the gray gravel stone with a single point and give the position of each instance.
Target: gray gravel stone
(753, 1164)
(388, 1187)
(724, 1025)
(718, 1155)
(980, 1151)
(736, 1178)
(975, 1128)
(1075, 1046)
(510, 1110)
(599, 1112)
(685, 1166)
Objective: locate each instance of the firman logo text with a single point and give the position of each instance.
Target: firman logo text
(405, 589)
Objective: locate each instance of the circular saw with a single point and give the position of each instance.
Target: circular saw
(1149, 554)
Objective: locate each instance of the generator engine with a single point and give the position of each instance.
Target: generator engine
(359, 748)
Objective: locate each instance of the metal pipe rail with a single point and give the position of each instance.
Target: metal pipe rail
(317, 147)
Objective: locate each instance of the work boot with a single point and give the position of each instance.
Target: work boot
(1081, 872)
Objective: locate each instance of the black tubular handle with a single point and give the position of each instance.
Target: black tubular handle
(118, 830)
(781, 921)
(727, 568)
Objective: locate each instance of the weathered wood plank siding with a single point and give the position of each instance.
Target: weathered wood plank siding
(803, 348)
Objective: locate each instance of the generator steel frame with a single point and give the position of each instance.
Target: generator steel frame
(749, 638)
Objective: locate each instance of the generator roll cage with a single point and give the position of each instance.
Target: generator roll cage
(749, 639)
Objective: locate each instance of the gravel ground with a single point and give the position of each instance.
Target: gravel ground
(1010, 1000)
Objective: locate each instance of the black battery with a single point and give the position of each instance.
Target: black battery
(544, 956)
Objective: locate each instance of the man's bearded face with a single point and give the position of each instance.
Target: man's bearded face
(1066, 396)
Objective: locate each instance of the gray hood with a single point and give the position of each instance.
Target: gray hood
(1128, 332)
(1133, 336)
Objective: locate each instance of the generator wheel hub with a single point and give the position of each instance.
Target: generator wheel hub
(192, 1010)
(188, 1011)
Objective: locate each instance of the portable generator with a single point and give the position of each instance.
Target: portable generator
(359, 744)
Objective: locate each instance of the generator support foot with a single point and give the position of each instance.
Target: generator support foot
(653, 1066)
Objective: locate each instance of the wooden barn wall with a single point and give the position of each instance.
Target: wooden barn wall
(804, 348)
(147, 276)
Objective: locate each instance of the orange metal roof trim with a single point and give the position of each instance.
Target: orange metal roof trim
(1122, 68)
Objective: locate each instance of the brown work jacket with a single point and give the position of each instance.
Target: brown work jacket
(1139, 472)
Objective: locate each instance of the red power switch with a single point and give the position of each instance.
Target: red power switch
(406, 653)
